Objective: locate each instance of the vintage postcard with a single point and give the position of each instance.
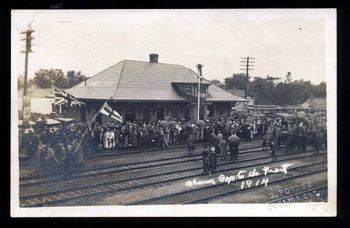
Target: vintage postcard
(122, 113)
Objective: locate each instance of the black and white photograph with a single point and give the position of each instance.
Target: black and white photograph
(202, 112)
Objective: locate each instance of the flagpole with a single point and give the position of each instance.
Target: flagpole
(81, 140)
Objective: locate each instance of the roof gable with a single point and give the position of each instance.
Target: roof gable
(318, 101)
(315, 102)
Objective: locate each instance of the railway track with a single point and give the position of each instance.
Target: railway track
(34, 180)
(121, 176)
(207, 193)
(50, 198)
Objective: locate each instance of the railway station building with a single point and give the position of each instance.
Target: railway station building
(150, 91)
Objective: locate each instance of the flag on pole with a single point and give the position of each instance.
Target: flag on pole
(62, 97)
(108, 111)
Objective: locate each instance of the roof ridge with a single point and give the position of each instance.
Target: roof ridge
(187, 73)
(131, 60)
(197, 75)
(120, 76)
(77, 85)
(105, 69)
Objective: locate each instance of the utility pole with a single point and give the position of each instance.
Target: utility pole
(247, 62)
(28, 48)
(199, 66)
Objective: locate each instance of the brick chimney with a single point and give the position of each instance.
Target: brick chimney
(153, 58)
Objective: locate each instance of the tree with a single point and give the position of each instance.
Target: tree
(288, 77)
(31, 82)
(319, 90)
(293, 93)
(236, 82)
(262, 90)
(44, 78)
(269, 91)
(282, 94)
(217, 83)
(74, 78)
(20, 82)
(272, 79)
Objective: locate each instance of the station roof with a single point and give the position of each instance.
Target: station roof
(131, 80)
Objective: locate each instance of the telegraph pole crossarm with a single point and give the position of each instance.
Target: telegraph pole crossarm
(248, 64)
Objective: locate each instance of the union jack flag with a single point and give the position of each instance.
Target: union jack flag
(62, 97)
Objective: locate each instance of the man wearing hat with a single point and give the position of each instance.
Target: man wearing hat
(223, 149)
(69, 161)
(205, 154)
(219, 137)
(273, 145)
(212, 157)
(234, 141)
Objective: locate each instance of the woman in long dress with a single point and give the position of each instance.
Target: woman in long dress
(109, 139)
(190, 144)
(112, 139)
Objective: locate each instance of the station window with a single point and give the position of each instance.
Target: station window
(188, 89)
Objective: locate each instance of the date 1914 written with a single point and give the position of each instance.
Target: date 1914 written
(250, 183)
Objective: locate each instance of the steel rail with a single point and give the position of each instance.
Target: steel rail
(30, 181)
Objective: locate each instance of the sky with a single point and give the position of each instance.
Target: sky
(91, 41)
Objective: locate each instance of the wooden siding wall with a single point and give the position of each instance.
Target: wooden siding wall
(176, 110)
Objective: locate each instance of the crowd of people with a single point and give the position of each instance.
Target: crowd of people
(62, 147)
(162, 134)
(294, 133)
(54, 147)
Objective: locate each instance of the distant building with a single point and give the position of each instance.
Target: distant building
(150, 91)
(264, 109)
(240, 107)
(311, 104)
(41, 100)
(315, 103)
(293, 108)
